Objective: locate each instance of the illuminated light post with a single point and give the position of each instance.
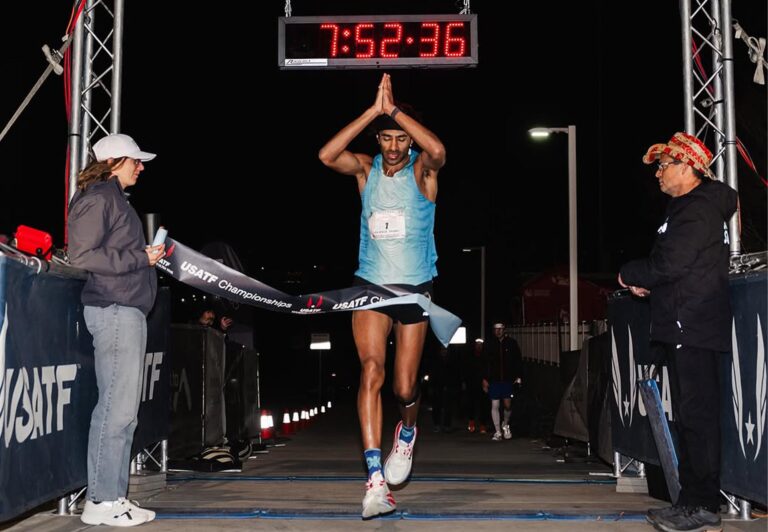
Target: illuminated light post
(573, 279)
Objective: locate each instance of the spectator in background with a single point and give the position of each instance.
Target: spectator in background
(224, 323)
(503, 368)
(207, 317)
(472, 371)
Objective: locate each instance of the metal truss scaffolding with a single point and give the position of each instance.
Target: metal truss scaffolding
(97, 60)
(710, 107)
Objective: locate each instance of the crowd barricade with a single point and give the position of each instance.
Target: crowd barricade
(197, 389)
(744, 458)
(48, 387)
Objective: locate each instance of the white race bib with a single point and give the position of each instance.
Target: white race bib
(387, 225)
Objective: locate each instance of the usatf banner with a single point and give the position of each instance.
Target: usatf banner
(743, 386)
(629, 321)
(743, 396)
(209, 275)
(48, 387)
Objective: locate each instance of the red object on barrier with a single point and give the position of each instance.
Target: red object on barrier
(34, 241)
(267, 425)
(287, 425)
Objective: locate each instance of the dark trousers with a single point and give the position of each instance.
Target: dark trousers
(443, 396)
(477, 406)
(695, 386)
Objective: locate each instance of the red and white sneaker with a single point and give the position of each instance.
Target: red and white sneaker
(378, 499)
(397, 467)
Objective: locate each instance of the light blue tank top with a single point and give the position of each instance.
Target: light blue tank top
(397, 244)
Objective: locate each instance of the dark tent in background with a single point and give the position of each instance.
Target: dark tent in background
(546, 298)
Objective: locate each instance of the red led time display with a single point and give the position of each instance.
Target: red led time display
(389, 41)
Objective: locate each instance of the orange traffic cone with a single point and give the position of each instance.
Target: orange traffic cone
(287, 426)
(267, 425)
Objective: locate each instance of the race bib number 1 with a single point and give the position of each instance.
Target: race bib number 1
(387, 225)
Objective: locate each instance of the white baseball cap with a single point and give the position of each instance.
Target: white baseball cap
(119, 145)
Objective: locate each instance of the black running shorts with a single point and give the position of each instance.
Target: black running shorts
(405, 314)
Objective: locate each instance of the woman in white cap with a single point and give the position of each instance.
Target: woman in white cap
(107, 240)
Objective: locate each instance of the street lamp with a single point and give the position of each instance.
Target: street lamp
(573, 279)
(482, 286)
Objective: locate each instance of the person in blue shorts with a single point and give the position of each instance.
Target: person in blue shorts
(503, 369)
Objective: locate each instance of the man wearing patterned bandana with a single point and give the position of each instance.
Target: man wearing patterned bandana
(686, 278)
(398, 189)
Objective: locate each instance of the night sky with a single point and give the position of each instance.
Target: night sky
(193, 76)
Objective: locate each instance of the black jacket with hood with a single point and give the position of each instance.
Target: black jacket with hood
(687, 270)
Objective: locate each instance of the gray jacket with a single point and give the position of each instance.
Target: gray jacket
(107, 240)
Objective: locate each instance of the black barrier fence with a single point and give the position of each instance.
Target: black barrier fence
(744, 458)
(241, 392)
(584, 382)
(582, 391)
(48, 388)
(198, 390)
(571, 418)
(214, 391)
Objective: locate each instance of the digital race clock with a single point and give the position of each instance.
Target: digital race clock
(378, 41)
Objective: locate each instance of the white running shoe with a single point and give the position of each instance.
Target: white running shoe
(397, 467)
(378, 500)
(496, 436)
(507, 432)
(113, 513)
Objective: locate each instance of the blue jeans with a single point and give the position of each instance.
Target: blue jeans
(119, 342)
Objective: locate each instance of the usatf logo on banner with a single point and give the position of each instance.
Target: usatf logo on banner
(152, 366)
(625, 391)
(313, 306)
(751, 430)
(28, 404)
(197, 271)
(624, 402)
(357, 302)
